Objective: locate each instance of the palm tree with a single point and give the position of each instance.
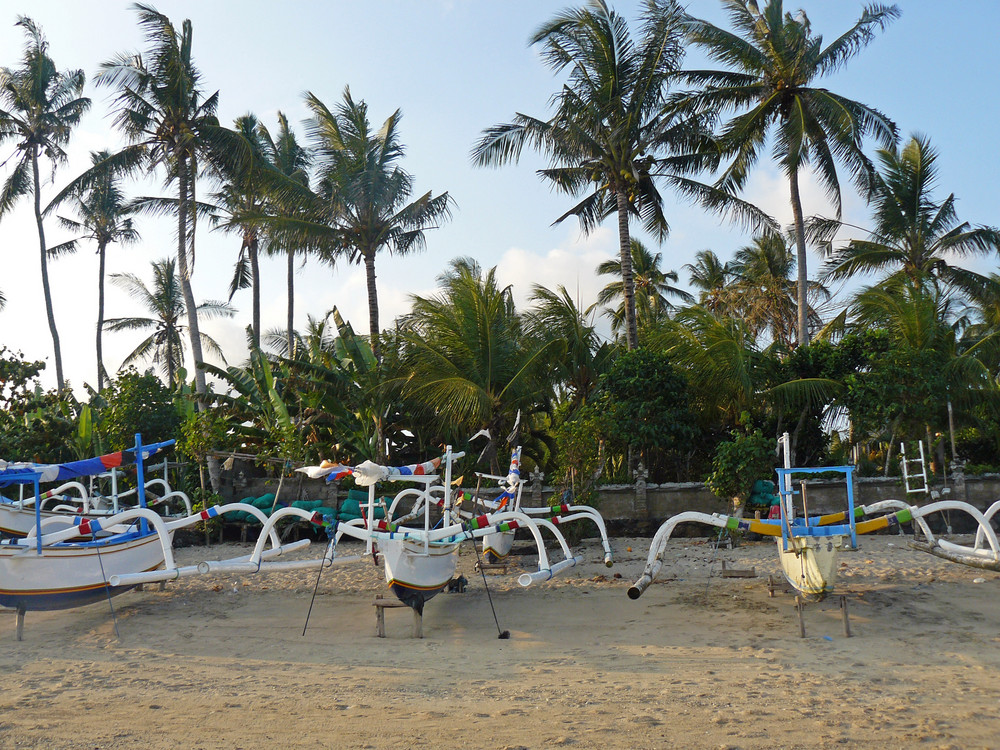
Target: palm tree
(41, 105)
(652, 288)
(161, 109)
(764, 293)
(166, 307)
(774, 60)
(468, 359)
(105, 217)
(579, 357)
(611, 136)
(292, 161)
(366, 191)
(241, 201)
(711, 277)
(726, 369)
(914, 234)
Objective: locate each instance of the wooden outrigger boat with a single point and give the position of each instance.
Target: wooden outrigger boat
(45, 572)
(808, 546)
(497, 545)
(420, 560)
(72, 498)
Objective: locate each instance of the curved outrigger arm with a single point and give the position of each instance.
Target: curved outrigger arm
(558, 514)
(654, 561)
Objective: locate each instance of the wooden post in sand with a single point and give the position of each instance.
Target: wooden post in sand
(381, 604)
(847, 622)
(799, 606)
(19, 624)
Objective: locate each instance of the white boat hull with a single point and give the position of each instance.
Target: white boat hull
(497, 545)
(810, 563)
(415, 574)
(63, 576)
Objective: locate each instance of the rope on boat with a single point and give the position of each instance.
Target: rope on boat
(107, 588)
(330, 551)
(501, 634)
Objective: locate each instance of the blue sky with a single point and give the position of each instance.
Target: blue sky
(454, 68)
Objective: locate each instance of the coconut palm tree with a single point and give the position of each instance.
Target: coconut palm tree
(611, 136)
(468, 359)
(652, 286)
(161, 109)
(164, 302)
(241, 203)
(774, 61)
(104, 218)
(40, 107)
(366, 192)
(763, 292)
(579, 357)
(710, 276)
(914, 235)
(291, 160)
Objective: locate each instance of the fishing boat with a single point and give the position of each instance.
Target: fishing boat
(419, 537)
(73, 498)
(808, 546)
(69, 561)
(48, 572)
(497, 545)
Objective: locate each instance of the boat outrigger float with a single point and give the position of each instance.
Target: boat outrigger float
(808, 545)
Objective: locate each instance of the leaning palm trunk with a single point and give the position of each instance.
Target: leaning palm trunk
(801, 260)
(46, 291)
(187, 194)
(628, 284)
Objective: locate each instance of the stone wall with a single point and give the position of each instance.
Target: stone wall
(641, 503)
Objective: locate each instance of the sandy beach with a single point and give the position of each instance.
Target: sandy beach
(700, 661)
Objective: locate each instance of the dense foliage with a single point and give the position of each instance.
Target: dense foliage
(693, 390)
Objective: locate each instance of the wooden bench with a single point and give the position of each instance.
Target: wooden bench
(381, 604)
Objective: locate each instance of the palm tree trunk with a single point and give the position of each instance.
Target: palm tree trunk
(255, 281)
(801, 260)
(186, 200)
(189, 195)
(101, 247)
(373, 329)
(46, 291)
(628, 283)
(291, 300)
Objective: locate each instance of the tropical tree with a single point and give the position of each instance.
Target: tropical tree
(241, 204)
(160, 107)
(774, 61)
(40, 107)
(291, 160)
(904, 390)
(726, 368)
(652, 286)
(710, 276)
(468, 360)
(104, 218)
(611, 136)
(914, 235)
(764, 291)
(365, 191)
(165, 304)
(579, 357)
